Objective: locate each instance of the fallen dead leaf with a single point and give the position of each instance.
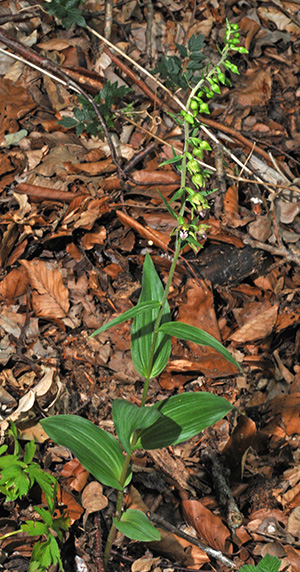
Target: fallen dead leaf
(50, 298)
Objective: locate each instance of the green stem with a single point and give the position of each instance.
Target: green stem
(159, 317)
(119, 504)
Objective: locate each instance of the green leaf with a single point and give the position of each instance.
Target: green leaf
(267, 564)
(135, 524)
(196, 43)
(34, 528)
(192, 334)
(142, 330)
(129, 417)
(67, 122)
(98, 451)
(140, 307)
(30, 449)
(171, 211)
(175, 159)
(191, 412)
(192, 65)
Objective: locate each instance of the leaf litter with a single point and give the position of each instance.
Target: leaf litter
(73, 239)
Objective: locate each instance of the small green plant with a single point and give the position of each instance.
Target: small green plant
(181, 71)
(179, 417)
(17, 478)
(267, 564)
(67, 11)
(85, 118)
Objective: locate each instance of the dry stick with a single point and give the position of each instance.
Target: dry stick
(216, 554)
(149, 30)
(290, 257)
(98, 553)
(234, 517)
(128, 71)
(108, 18)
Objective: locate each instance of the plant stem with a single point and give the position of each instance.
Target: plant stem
(159, 317)
(113, 529)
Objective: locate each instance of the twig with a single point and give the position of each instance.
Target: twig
(149, 29)
(216, 554)
(108, 18)
(130, 73)
(98, 552)
(284, 252)
(223, 490)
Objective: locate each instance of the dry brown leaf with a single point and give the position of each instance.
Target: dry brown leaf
(156, 177)
(260, 229)
(209, 527)
(14, 284)
(258, 325)
(198, 310)
(241, 438)
(293, 557)
(91, 238)
(293, 525)
(76, 475)
(92, 497)
(50, 298)
(255, 89)
(91, 169)
(145, 564)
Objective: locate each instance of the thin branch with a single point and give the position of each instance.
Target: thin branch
(216, 554)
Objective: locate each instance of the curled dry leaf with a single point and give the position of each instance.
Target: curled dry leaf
(14, 284)
(27, 401)
(258, 324)
(145, 564)
(50, 298)
(241, 439)
(209, 527)
(76, 475)
(92, 497)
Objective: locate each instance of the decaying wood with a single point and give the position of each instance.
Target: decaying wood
(226, 265)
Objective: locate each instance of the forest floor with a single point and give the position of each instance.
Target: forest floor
(74, 236)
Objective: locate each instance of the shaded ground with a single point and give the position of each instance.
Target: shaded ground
(73, 241)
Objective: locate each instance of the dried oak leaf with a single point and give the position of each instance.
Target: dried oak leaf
(50, 298)
(209, 527)
(14, 284)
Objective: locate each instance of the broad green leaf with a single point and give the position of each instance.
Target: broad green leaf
(34, 528)
(127, 315)
(129, 417)
(193, 334)
(267, 564)
(98, 451)
(30, 448)
(191, 412)
(135, 524)
(143, 326)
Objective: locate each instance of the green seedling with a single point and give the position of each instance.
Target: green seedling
(267, 564)
(18, 475)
